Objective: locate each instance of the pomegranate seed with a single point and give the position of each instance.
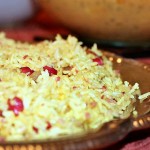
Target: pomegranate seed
(2, 139)
(98, 60)
(25, 56)
(111, 101)
(48, 126)
(15, 105)
(26, 70)
(104, 88)
(123, 93)
(88, 51)
(102, 97)
(36, 130)
(50, 70)
(74, 87)
(87, 115)
(1, 113)
(77, 71)
(57, 79)
(68, 68)
(93, 104)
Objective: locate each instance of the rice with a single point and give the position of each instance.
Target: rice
(58, 88)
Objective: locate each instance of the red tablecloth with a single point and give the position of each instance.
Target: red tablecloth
(41, 26)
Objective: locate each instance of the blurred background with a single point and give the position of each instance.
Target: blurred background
(26, 20)
(16, 11)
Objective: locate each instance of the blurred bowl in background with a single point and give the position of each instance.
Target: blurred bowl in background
(119, 20)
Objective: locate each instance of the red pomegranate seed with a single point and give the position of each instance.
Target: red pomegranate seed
(98, 60)
(93, 104)
(57, 79)
(104, 88)
(77, 71)
(111, 101)
(123, 93)
(50, 70)
(68, 68)
(88, 51)
(87, 115)
(2, 139)
(15, 105)
(26, 70)
(48, 126)
(102, 97)
(1, 113)
(36, 130)
(25, 56)
(74, 87)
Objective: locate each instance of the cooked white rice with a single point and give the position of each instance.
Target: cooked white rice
(66, 89)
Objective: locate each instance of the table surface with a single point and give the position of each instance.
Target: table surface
(42, 26)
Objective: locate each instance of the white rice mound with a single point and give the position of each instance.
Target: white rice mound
(79, 95)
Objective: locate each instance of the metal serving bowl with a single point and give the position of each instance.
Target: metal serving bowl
(122, 20)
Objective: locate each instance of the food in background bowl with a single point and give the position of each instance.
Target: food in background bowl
(123, 20)
(59, 88)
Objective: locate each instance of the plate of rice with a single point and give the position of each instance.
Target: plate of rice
(62, 95)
